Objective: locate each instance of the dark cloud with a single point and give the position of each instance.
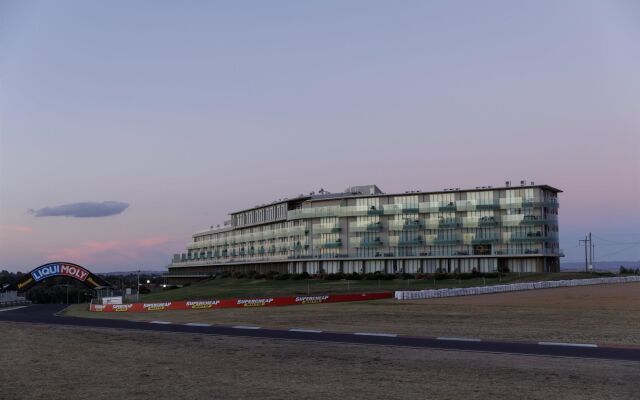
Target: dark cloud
(85, 209)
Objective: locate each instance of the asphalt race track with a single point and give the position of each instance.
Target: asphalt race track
(46, 314)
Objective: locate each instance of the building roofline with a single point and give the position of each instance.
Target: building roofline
(287, 201)
(483, 189)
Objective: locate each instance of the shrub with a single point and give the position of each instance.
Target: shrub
(406, 275)
(300, 277)
(439, 276)
(503, 269)
(271, 275)
(282, 277)
(354, 276)
(334, 277)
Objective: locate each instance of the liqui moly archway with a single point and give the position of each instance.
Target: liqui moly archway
(62, 269)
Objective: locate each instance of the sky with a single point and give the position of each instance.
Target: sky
(127, 126)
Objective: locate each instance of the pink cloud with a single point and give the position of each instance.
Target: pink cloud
(19, 228)
(153, 241)
(113, 251)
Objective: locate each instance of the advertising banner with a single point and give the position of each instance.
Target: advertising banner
(238, 303)
(64, 269)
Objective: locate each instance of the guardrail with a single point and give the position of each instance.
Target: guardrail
(514, 287)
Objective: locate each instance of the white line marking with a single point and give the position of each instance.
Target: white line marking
(375, 334)
(567, 344)
(197, 324)
(245, 327)
(161, 322)
(11, 308)
(305, 330)
(459, 339)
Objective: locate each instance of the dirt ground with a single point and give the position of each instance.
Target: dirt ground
(47, 362)
(608, 314)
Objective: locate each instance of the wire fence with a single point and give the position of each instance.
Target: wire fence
(514, 287)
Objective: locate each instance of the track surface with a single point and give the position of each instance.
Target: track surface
(46, 314)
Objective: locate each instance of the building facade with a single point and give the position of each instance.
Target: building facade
(364, 230)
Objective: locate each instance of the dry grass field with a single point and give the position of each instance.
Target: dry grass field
(587, 314)
(51, 363)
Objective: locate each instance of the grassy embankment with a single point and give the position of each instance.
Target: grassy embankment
(230, 287)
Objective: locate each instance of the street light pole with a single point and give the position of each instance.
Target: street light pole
(138, 288)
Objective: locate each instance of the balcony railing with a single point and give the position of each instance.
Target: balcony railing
(443, 241)
(530, 237)
(327, 228)
(475, 222)
(406, 225)
(485, 240)
(371, 227)
(442, 223)
(359, 242)
(332, 244)
(402, 242)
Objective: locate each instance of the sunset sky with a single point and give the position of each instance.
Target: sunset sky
(150, 120)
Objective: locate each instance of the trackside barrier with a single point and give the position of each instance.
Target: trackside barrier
(235, 303)
(514, 287)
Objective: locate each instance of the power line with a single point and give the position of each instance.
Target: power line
(613, 242)
(619, 251)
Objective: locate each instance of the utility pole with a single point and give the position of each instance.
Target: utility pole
(593, 252)
(586, 253)
(590, 253)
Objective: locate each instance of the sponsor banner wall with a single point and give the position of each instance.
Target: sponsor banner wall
(237, 303)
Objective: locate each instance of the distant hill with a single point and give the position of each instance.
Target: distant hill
(142, 272)
(599, 265)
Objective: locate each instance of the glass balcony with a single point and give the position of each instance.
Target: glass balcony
(442, 223)
(443, 241)
(327, 228)
(487, 222)
(406, 225)
(405, 242)
(533, 220)
(448, 223)
(435, 206)
(450, 207)
(391, 209)
(530, 237)
(534, 203)
(359, 242)
(410, 209)
(332, 244)
(371, 243)
(487, 205)
(475, 222)
(372, 227)
(375, 211)
(485, 240)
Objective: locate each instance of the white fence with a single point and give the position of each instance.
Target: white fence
(11, 298)
(514, 287)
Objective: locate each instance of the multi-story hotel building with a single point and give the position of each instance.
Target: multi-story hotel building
(365, 230)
